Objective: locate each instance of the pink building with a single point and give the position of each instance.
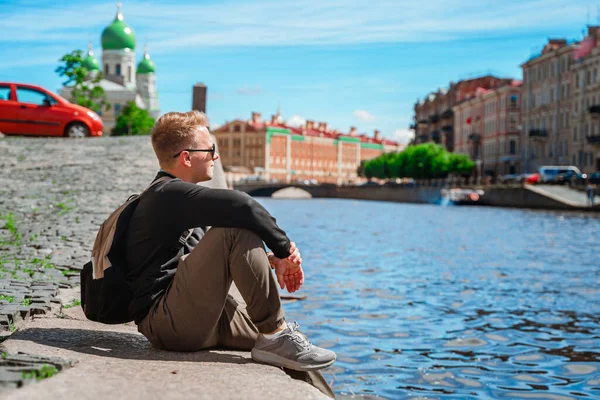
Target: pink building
(487, 128)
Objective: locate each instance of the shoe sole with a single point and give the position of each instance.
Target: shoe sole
(273, 359)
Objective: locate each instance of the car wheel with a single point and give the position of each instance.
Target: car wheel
(77, 130)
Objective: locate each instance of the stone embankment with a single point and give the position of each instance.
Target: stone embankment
(54, 194)
(548, 197)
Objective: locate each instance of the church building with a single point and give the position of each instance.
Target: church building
(122, 79)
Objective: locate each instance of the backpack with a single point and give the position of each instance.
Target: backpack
(105, 292)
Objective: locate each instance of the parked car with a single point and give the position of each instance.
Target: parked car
(33, 110)
(548, 173)
(582, 179)
(594, 177)
(533, 179)
(522, 177)
(570, 177)
(508, 178)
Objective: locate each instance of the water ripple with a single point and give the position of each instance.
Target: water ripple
(449, 302)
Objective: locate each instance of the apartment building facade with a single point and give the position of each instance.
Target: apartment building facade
(433, 115)
(547, 102)
(486, 129)
(585, 121)
(561, 88)
(275, 150)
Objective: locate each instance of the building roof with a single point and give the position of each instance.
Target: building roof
(110, 86)
(90, 62)
(329, 133)
(146, 66)
(118, 35)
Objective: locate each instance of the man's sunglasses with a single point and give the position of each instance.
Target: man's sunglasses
(212, 151)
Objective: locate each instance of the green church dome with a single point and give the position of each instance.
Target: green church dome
(118, 35)
(146, 66)
(90, 62)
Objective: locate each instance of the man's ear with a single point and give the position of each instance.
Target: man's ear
(185, 158)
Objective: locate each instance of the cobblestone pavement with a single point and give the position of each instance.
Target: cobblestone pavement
(54, 194)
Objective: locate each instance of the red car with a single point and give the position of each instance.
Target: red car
(533, 179)
(32, 110)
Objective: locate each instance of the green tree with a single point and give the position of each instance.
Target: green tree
(85, 90)
(461, 164)
(424, 161)
(133, 121)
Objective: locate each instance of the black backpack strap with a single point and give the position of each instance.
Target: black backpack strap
(135, 195)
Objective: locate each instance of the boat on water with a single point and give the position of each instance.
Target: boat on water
(460, 196)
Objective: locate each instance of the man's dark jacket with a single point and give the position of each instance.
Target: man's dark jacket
(170, 208)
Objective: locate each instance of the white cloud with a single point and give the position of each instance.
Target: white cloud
(175, 26)
(249, 90)
(364, 115)
(296, 121)
(403, 135)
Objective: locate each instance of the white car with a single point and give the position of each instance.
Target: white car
(548, 173)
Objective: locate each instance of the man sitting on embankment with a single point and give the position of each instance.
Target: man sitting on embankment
(181, 282)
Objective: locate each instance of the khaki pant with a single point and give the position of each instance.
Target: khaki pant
(197, 312)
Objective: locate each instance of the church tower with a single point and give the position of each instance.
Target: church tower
(118, 52)
(146, 84)
(90, 62)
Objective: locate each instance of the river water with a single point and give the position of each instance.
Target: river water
(424, 301)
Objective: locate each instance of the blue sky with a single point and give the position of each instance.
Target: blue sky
(347, 62)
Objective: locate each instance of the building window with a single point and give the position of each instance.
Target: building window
(513, 147)
(575, 133)
(118, 70)
(117, 109)
(106, 69)
(237, 128)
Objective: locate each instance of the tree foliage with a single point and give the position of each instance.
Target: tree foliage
(133, 121)
(424, 161)
(85, 90)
